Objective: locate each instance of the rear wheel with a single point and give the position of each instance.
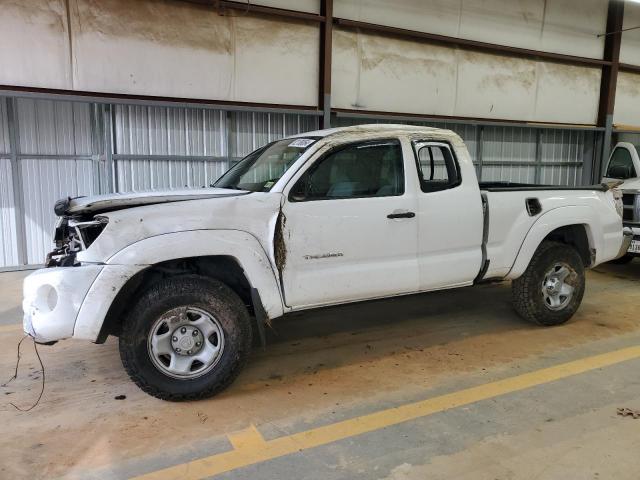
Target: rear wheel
(551, 288)
(186, 338)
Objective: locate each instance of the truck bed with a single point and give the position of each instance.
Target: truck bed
(508, 219)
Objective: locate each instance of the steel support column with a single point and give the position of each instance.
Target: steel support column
(16, 176)
(108, 122)
(479, 140)
(324, 81)
(537, 174)
(613, 39)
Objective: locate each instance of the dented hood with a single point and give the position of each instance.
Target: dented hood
(118, 201)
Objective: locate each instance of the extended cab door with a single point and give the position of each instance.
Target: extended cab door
(350, 227)
(450, 218)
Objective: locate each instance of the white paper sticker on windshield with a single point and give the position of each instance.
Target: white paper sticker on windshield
(301, 142)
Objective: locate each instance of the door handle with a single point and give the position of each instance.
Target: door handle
(401, 215)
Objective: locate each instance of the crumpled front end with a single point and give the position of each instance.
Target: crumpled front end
(73, 235)
(52, 298)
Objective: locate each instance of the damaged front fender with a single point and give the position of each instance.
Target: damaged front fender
(245, 248)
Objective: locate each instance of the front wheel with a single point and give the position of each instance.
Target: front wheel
(186, 338)
(551, 288)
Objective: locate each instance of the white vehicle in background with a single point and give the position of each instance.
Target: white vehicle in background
(325, 218)
(624, 166)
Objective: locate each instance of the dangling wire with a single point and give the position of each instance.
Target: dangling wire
(15, 375)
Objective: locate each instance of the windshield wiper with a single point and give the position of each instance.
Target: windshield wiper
(228, 187)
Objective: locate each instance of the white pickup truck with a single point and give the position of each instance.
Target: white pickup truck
(624, 166)
(185, 278)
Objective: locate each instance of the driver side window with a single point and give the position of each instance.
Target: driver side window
(369, 169)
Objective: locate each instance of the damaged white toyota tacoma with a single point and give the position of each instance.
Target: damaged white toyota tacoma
(186, 278)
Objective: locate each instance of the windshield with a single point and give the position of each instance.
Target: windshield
(260, 170)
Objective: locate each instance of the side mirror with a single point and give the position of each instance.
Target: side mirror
(299, 191)
(622, 172)
(298, 197)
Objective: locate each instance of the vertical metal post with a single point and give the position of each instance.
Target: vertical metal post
(598, 149)
(324, 81)
(588, 158)
(538, 167)
(606, 142)
(230, 135)
(16, 176)
(612, 42)
(108, 116)
(479, 137)
(96, 134)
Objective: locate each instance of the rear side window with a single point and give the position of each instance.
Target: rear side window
(370, 169)
(437, 167)
(621, 165)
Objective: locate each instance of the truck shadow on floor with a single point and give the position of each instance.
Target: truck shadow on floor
(307, 342)
(449, 309)
(629, 271)
(349, 335)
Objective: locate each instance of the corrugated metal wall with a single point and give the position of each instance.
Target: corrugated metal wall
(156, 147)
(63, 148)
(8, 231)
(55, 160)
(8, 237)
(52, 148)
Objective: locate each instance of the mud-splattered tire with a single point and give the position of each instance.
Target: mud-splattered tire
(623, 260)
(202, 315)
(551, 288)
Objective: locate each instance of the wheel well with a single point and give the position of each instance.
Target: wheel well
(223, 268)
(576, 236)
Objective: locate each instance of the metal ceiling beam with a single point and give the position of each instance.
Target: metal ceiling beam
(471, 44)
(111, 98)
(249, 7)
(627, 67)
(419, 117)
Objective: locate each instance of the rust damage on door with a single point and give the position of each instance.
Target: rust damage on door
(279, 245)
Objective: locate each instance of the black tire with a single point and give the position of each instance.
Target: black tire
(623, 260)
(527, 291)
(209, 295)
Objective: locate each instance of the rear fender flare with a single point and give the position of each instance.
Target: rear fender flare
(547, 223)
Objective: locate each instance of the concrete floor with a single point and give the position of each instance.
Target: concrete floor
(497, 398)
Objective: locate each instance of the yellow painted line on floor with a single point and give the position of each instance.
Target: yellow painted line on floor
(250, 448)
(16, 327)
(247, 439)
